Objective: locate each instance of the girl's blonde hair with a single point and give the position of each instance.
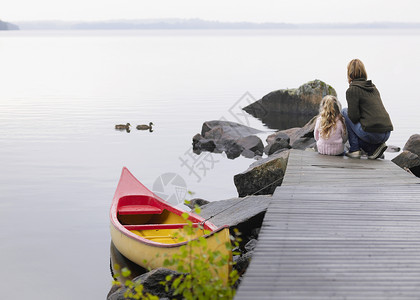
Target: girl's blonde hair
(355, 70)
(330, 113)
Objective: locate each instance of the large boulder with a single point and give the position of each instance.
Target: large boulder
(232, 138)
(409, 159)
(263, 176)
(413, 144)
(288, 108)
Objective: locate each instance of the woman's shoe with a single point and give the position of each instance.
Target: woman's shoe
(378, 152)
(354, 154)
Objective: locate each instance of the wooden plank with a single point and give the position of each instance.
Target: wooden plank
(338, 228)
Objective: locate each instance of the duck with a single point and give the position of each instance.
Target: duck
(122, 126)
(145, 127)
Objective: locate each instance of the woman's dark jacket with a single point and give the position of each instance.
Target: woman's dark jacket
(365, 106)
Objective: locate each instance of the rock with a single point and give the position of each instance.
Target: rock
(263, 176)
(236, 211)
(242, 262)
(196, 201)
(214, 134)
(202, 144)
(275, 148)
(279, 135)
(277, 142)
(299, 138)
(413, 144)
(393, 149)
(255, 232)
(232, 149)
(304, 133)
(250, 246)
(288, 108)
(249, 154)
(114, 289)
(229, 137)
(291, 132)
(304, 143)
(231, 129)
(151, 283)
(251, 143)
(408, 161)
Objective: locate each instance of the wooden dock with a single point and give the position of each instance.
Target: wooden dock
(338, 228)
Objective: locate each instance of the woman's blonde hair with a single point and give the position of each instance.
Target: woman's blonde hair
(330, 113)
(355, 70)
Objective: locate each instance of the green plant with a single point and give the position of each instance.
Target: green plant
(134, 290)
(200, 276)
(199, 267)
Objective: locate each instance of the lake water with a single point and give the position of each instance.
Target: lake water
(61, 94)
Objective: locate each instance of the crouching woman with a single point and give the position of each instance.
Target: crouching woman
(368, 123)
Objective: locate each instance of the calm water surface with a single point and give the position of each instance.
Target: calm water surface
(62, 93)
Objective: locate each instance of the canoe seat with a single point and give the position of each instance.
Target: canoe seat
(157, 226)
(138, 210)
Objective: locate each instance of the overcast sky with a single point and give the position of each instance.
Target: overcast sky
(290, 11)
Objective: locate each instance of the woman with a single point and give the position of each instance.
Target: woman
(368, 123)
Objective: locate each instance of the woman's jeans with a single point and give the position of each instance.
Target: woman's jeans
(360, 139)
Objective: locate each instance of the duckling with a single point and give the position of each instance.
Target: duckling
(145, 127)
(122, 126)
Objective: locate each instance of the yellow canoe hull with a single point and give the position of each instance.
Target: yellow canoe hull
(152, 256)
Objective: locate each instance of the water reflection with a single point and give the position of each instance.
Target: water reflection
(116, 258)
(282, 121)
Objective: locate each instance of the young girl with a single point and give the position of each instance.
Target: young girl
(330, 129)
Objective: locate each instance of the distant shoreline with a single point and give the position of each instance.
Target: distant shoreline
(7, 26)
(198, 24)
(395, 32)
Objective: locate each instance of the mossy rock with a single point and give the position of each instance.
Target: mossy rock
(287, 108)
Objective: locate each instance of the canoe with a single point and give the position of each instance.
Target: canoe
(143, 227)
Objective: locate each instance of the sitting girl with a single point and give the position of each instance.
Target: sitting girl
(330, 129)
